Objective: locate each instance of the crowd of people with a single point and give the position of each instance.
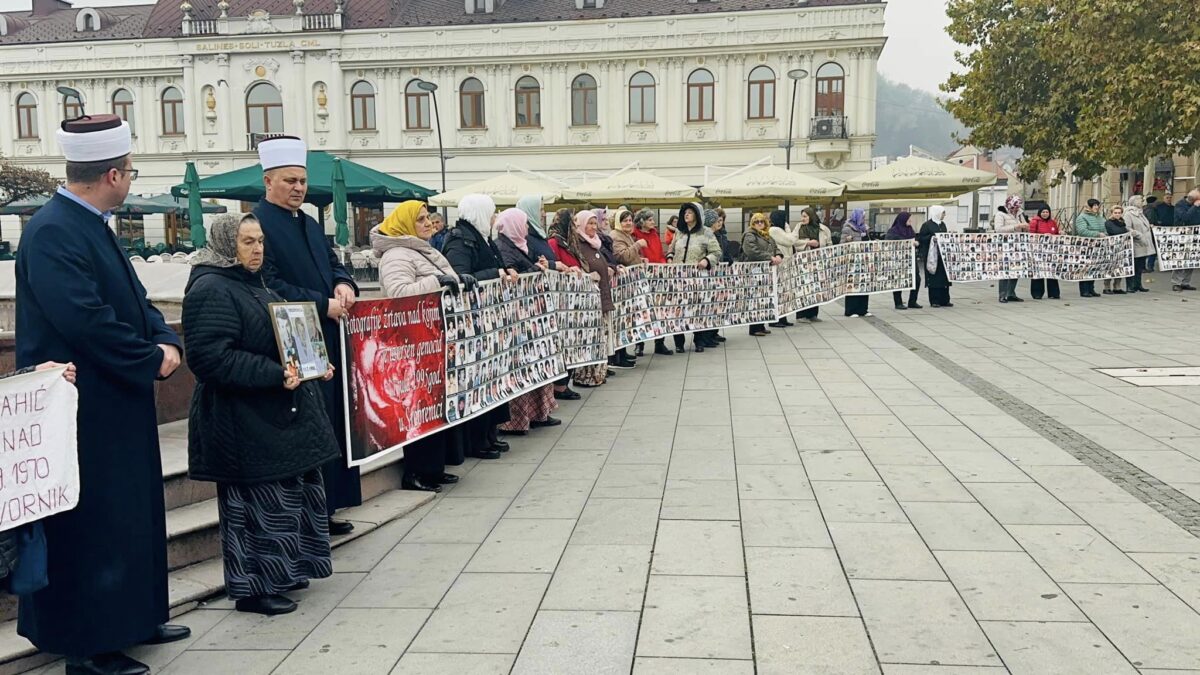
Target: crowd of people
(267, 437)
(1135, 217)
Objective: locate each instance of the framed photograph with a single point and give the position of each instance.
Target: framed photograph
(298, 335)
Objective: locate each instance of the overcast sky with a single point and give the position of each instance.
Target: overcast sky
(918, 52)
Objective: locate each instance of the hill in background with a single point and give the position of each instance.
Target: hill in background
(905, 116)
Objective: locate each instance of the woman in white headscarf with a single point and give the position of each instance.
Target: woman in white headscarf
(936, 281)
(1143, 242)
(471, 249)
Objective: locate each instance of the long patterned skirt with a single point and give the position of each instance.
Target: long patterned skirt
(273, 535)
(535, 405)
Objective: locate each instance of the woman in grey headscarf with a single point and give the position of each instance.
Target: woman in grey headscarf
(254, 428)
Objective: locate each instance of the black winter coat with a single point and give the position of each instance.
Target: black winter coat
(469, 253)
(244, 427)
(514, 257)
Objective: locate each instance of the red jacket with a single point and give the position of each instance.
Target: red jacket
(653, 253)
(1039, 226)
(564, 256)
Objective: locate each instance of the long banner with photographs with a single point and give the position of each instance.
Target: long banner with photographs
(1178, 248)
(991, 256)
(822, 275)
(416, 365)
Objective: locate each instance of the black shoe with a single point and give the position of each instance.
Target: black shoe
(268, 605)
(1107, 291)
(500, 446)
(166, 633)
(1118, 292)
(699, 348)
(1003, 299)
(114, 663)
(901, 307)
(299, 586)
(641, 350)
(1142, 290)
(609, 373)
(719, 338)
(913, 305)
(948, 304)
(663, 350)
(782, 323)
(1186, 287)
(1177, 288)
(339, 527)
(548, 422)
(621, 365)
(1014, 298)
(1055, 297)
(419, 484)
(487, 453)
(567, 395)
(442, 479)
(514, 432)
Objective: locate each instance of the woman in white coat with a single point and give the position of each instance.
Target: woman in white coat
(410, 265)
(1143, 242)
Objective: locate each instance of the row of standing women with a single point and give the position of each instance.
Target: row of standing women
(262, 435)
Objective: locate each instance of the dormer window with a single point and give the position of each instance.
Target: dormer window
(482, 6)
(87, 21)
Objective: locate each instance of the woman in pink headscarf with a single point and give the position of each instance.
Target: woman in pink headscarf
(1011, 218)
(530, 410)
(588, 247)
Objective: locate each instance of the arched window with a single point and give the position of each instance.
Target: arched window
(583, 101)
(72, 107)
(362, 106)
(264, 109)
(641, 98)
(27, 116)
(529, 103)
(172, 112)
(761, 94)
(701, 92)
(89, 22)
(831, 87)
(122, 105)
(470, 103)
(416, 106)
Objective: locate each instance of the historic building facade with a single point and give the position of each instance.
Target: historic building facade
(684, 85)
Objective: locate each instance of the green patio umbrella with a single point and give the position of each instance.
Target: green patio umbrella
(24, 207)
(342, 237)
(195, 208)
(363, 184)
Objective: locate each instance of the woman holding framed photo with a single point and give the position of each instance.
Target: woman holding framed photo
(254, 428)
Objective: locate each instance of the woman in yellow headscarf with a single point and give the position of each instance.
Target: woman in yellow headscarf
(409, 265)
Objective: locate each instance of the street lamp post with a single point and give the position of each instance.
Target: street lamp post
(432, 89)
(795, 75)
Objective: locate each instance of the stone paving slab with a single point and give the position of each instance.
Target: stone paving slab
(933, 492)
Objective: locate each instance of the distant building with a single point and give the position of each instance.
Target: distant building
(557, 86)
(1170, 175)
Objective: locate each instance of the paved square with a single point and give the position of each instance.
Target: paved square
(933, 491)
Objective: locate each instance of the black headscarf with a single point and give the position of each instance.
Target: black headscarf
(778, 218)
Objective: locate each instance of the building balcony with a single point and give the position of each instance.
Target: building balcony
(827, 127)
(260, 22)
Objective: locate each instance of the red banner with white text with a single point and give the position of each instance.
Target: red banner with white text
(395, 369)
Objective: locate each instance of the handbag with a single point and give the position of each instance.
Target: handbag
(931, 261)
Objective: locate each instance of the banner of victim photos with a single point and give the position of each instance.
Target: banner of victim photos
(822, 275)
(501, 341)
(1178, 248)
(580, 335)
(653, 301)
(991, 256)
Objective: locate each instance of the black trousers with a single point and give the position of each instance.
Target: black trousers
(425, 457)
(810, 313)
(1039, 287)
(1087, 287)
(757, 328)
(939, 296)
(857, 305)
(1135, 282)
(898, 296)
(681, 338)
